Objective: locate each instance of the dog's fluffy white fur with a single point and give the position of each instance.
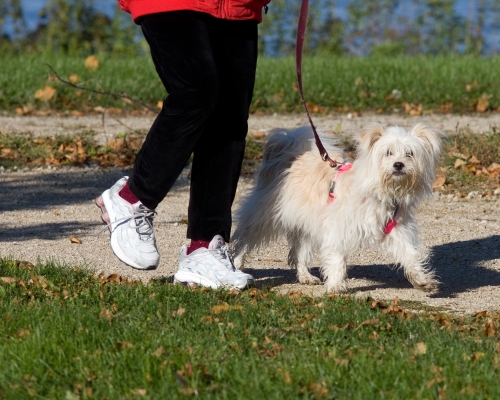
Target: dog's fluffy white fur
(393, 168)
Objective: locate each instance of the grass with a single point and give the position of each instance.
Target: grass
(440, 84)
(66, 334)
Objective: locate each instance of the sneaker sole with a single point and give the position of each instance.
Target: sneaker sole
(107, 216)
(187, 278)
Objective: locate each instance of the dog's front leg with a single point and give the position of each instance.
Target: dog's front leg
(334, 268)
(413, 257)
(299, 257)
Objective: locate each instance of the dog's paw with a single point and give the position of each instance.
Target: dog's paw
(308, 279)
(426, 284)
(337, 289)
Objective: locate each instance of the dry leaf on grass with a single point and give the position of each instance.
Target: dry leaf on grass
(91, 63)
(220, 308)
(374, 321)
(420, 348)
(9, 279)
(439, 181)
(179, 311)
(123, 345)
(106, 314)
(483, 103)
(316, 389)
(45, 94)
(160, 351)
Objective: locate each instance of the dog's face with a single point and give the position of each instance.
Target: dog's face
(398, 160)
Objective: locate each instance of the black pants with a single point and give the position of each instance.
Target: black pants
(207, 66)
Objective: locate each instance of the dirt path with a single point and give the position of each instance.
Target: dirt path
(41, 209)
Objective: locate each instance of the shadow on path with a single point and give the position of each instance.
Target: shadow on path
(20, 191)
(459, 266)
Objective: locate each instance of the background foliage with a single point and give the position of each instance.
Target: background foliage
(354, 27)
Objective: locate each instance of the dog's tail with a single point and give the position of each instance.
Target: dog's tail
(282, 147)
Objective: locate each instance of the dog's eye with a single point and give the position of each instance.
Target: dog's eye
(409, 153)
(389, 153)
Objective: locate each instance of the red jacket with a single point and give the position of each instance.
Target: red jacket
(226, 9)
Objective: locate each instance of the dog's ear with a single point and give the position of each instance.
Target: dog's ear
(369, 135)
(431, 139)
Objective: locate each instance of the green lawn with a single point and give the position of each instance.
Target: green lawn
(331, 83)
(65, 334)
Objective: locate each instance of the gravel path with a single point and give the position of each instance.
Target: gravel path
(41, 209)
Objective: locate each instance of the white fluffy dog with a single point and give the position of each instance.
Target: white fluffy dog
(330, 213)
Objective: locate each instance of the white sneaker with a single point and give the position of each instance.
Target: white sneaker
(211, 267)
(131, 226)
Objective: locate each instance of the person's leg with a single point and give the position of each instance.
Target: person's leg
(183, 56)
(217, 161)
(182, 53)
(218, 154)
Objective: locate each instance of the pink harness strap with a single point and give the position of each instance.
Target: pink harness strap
(343, 168)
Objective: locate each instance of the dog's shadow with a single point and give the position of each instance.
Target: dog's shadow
(458, 265)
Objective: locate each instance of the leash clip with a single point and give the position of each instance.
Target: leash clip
(325, 157)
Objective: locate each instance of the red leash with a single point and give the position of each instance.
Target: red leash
(301, 33)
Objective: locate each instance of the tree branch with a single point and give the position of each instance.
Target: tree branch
(116, 95)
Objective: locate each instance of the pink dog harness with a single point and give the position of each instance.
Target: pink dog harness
(346, 167)
(343, 168)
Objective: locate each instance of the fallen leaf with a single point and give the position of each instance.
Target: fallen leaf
(22, 333)
(258, 135)
(493, 167)
(373, 321)
(45, 94)
(73, 239)
(483, 102)
(113, 278)
(317, 389)
(9, 279)
(179, 311)
(39, 281)
(160, 351)
(439, 181)
(106, 314)
(224, 308)
(24, 265)
(134, 142)
(481, 314)
(421, 348)
(140, 392)
(73, 78)
(343, 362)
(287, 378)
(474, 160)
(123, 345)
(378, 304)
(490, 329)
(91, 63)
(458, 163)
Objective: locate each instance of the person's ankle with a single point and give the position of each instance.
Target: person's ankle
(126, 194)
(197, 244)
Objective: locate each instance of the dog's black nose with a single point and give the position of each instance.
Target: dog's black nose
(398, 166)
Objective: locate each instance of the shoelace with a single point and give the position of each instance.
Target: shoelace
(143, 222)
(221, 254)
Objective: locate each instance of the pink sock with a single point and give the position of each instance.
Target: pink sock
(197, 244)
(127, 195)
